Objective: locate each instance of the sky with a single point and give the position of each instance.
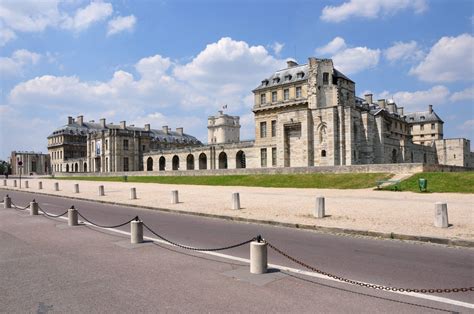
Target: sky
(177, 62)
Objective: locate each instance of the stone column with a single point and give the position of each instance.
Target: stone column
(235, 201)
(33, 208)
(258, 257)
(441, 215)
(319, 210)
(136, 232)
(174, 197)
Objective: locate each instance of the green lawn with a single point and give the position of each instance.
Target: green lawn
(458, 182)
(317, 180)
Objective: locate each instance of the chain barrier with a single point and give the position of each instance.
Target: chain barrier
(109, 227)
(19, 207)
(367, 285)
(51, 215)
(198, 249)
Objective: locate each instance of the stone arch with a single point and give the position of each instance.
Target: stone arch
(202, 161)
(222, 160)
(85, 167)
(162, 163)
(190, 162)
(394, 156)
(76, 167)
(175, 162)
(149, 164)
(240, 161)
(67, 167)
(322, 130)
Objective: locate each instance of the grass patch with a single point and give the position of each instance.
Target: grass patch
(442, 182)
(315, 180)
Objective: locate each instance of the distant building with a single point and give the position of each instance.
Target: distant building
(32, 163)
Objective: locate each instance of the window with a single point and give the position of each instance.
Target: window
(106, 144)
(287, 77)
(263, 129)
(298, 92)
(432, 126)
(286, 94)
(125, 163)
(143, 148)
(432, 135)
(274, 96)
(323, 153)
(263, 99)
(263, 157)
(276, 80)
(422, 135)
(125, 144)
(274, 156)
(300, 75)
(325, 78)
(274, 127)
(422, 127)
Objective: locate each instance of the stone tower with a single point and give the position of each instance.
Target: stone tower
(223, 128)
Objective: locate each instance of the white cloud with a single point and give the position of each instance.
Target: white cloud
(6, 35)
(29, 15)
(409, 51)
(450, 59)
(277, 48)
(353, 60)
(418, 100)
(14, 65)
(466, 94)
(85, 17)
(120, 24)
(332, 47)
(467, 126)
(370, 9)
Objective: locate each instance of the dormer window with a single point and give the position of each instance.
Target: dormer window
(288, 77)
(422, 118)
(265, 82)
(412, 119)
(300, 75)
(276, 80)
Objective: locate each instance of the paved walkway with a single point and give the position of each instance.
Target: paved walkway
(379, 211)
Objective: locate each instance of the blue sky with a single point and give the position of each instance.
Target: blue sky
(176, 62)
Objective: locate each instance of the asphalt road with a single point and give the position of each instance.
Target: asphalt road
(384, 262)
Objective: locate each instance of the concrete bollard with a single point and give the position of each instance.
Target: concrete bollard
(40, 185)
(319, 210)
(4, 182)
(76, 188)
(258, 257)
(136, 232)
(133, 193)
(441, 215)
(174, 197)
(56, 186)
(27, 185)
(72, 217)
(235, 200)
(7, 202)
(14, 183)
(33, 208)
(101, 190)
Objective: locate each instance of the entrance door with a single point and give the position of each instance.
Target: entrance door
(97, 164)
(292, 141)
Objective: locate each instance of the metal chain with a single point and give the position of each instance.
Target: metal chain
(367, 285)
(102, 226)
(198, 249)
(19, 207)
(50, 215)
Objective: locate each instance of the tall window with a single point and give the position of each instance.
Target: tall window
(286, 94)
(325, 78)
(274, 128)
(274, 156)
(263, 157)
(125, 163)
(422, 127)
(263, 99)
(432, 126)
(263, 129)
(298, 92)
(125, 144)
(274, 96)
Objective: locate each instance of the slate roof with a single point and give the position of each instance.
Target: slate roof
(423, 116)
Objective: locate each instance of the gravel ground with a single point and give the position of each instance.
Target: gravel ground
(364, 209)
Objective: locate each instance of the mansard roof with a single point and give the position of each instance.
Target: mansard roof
(423, 116)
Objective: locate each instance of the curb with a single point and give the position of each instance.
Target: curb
(327, 230)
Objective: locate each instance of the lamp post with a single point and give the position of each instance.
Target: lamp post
(20, 166)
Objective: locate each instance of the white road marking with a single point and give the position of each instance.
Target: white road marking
(300, 271)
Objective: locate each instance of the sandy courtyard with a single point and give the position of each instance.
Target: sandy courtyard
(381, 211)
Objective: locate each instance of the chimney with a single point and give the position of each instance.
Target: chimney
(102, 122)
(220, 112)
(291, 63)
(368, 98)
(123, 125)
(80, 120)
(70, 120)
(381, 103)
(165, 129)
(430, 108)
(400, 111)
(147, 127)
(180, 131)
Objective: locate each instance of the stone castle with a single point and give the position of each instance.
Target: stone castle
(305, 115)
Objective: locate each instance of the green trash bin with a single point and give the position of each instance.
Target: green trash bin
(125, 178)
(423, 184)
